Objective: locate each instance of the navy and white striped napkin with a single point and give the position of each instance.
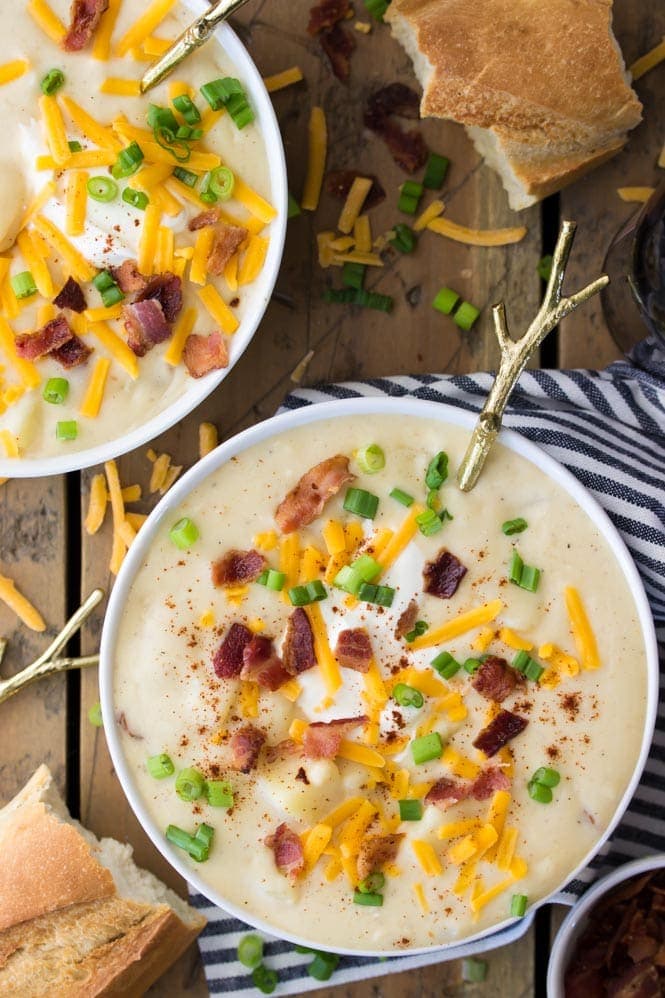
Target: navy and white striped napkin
(608, 429)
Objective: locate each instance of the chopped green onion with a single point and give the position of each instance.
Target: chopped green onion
(239, 108)
(66, 430)
(518, 903)
(207, 196)
(137, 199)
(222, 183)
(323, 966)
(407, 696)
(52, 82)
(381, 595)
(128, 161)
(525, 576)
(533, 671)
(361, 503)
(186, 177)
(445, 665)
(187, 108)
(410, 810)
(437, 471)
(219, 92)
(373, 883)
(516, 526)
(446, 301)
(418, 630)
(434, 500)
(264, 979)
(472, 665)
(205, 833)
(185, 132)
(75, 146)
(466, 315)
(376, 8)
(293, 209)
(412, 188)
(368, 900)
(23, 285)
(544, 267)
(95, 715)
(167, 139)
(366, 567)
(428, 522)
(250, 951)
(112, 297)
(351, 577)
(189, 784)
(103, 280)
(184, 533)
(426, 748)
(474, 971)
(539, 793)
(102, 189)
(310, 592)
(436, 169)
(353, 275)
(547, 777)
(272, 579)
(407, 204)
(371, 459)
(515, 567)
(405, 238)
(197, 848)
(219, 793)
(160, 766)
(521, 661)
(403, 498)
(161, 117)
(56, 391)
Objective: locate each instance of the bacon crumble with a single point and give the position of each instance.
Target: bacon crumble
(495, 679)
(306, 500)
(73, 353)
(261, 664)
(288, 851)
(236, 568)
(298, 649)
(146, 325)
(57, 340)
(407, 620)
(376, 851)
(443, 575)
(337, 43)
(85, 16)
(504, 727)
(354, 649)
(71, 296)
(446, 792)
(323, 739)
(246, 745)
(203, 354)
(128, 277)
(228, 659)
(408, 149)
(228, 240)
(165, 288)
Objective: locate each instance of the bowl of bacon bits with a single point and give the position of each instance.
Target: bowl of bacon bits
(613, 940)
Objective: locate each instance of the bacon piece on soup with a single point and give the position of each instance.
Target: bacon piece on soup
(282, 750)
(443, 575)
(323, 739)
(298, 648)
(407, 620)
(288, 851)
(446, 792)
(228, 659)
(499, 732)
(71, 296)
(376, 851)
(32, 346)
(85, 18)
(128, 277)
(146, 325)
(227, 241)
(262, 665)
(306, 500)
(203, 354)
(246, 744)
(235, 568)
(204, 219)
(354, 650)
(73, 353)
(488, 782)
(165, 288)
(495, 679)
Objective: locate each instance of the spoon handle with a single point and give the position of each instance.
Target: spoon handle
(191, 39)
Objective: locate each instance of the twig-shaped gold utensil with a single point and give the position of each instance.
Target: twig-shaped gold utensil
(515, 354)
(48, 663)
(197, 34)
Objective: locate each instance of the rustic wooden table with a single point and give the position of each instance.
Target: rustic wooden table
(43, 546)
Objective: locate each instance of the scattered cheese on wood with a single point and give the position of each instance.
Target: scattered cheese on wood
(116, 347)
(342, 243)
(431, 212)
(127, 532)
(208, 438)
(476, 237)
(136, 520)
(56, 134)
(253, 260)
(353, 204)
(661, 158)
(426, 856)
(119, 87)
(514, 640)
(218, 309)
(326, 254)
(316, 163)
(362, 234)
(131, 493)
(363, 27)
(367, 259)
(10, 443)
(326, 660)
(21, 606)
(76, 203)
(159, 471)
(400, 539)
(585, 639)
(94, 393)
(10, 71)
(101, 45)
(314, 842)
(648, 61)
(284, 79)
(635, 194)
(249, 699)
(78, 266)
(50, 24)
(144, 26)
(460, 624)
(118, 509)
(361, 754)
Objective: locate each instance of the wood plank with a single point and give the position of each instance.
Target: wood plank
(593, 202)
(33, 553)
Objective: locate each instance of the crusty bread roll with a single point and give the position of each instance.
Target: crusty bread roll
(540, 84)
(77, 916)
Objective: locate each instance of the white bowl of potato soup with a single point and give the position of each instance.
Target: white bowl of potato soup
(577, 954)
(141, 235)
(354, 706)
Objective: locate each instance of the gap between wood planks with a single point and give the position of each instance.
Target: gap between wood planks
(550, 220)
(73, 601)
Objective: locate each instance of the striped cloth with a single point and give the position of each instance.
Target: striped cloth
(608, 429)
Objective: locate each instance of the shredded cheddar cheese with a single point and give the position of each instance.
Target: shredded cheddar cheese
(635, 194)
(506, 848)
(513, 640)
(76, 203)
(361, 754)
(208, 438)
(79, 267)
(427, 857)
(218, 309)
(284, 79)
(456, 829)
(101, 44)
(44, 17)
(249, 699)
(10, 443)
(11, 71)
(352, 207)
(148, 239)
(420, 897)
(253, 260)
(316, 163)
(476, 237)
(181, 331)
(118, 510)
(144, 26)
(431, 212)
(462, 624)
(120, 87)
(400, 539)
(459, 764)
(585, 639)
(96, 505)
(20, 605)
(648, 61)
(324, 656)
(94, 393)
(362, 234)
(314, 842)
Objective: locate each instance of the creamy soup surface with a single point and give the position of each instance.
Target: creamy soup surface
(112, 231)
(439, 887)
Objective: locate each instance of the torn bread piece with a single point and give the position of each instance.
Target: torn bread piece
(541, 88)
(77, 916)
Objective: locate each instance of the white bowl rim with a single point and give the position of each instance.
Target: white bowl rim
(282, 423)
(199, 390)
(576, 919)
